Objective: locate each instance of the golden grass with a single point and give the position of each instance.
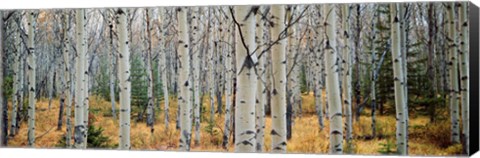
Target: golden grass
(306, 137)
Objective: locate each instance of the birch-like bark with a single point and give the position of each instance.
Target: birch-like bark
(246, 79)
(453, 73)
(318, 66)
(398, 80)
(332, 84)
(183, 78)
(464, 73)
(124, 78)
(31, 78)
(261, 88)
(197, 57)
(347, 77)
(279, 78)
(67, 75)
(80, 126)
(150, 108)
(291, 80)
(373, 93)
(211, 71)
(162, 66)
(16, 83)
(229, 77)
(113, 58)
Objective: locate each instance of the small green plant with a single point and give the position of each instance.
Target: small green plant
(209, 127)
(95, 139)
(387, 148)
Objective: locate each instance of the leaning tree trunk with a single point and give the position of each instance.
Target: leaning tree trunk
(465, 81)
(453, 72)
(278, 91)
(398, 81)
(246, 79)
(332, 84)
(347, 77)
(124, 78)
(150, 108)
(31, 79)
(183, 78)
(80, 126)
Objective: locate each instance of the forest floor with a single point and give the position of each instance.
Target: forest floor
(424, 138)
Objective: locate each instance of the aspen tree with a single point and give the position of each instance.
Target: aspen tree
(124, 78)
(16, 83)
(150, 108)
(373, 93)
(279, 78)
(246, 78)
(80, 126)
(398, 80)
(162, 66)
(319, 66)
(67, 75)
(347, 77)
(464, 73)
(291, 80)
(31, 78)
(197, 57)
(453, 73)
(113, 59)
(332, 78)
(229, 77)
(261, 87)
(183, 78)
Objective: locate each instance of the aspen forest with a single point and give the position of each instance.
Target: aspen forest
(361, 78)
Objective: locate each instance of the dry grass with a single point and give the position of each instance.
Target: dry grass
(306, 137)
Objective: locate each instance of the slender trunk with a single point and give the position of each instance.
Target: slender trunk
(291, 80)
(373, 93)
(124, 78)
(261, 87)
(67, 73)
(398, 80)
(279, 100)
(332, 84)
(80, 126)
(347, 78)
(183, 78)
(162, 67)
(318, 86)
(150, 108)
(197, 57)
(464, 75)
(31, 79)
(229, 77)
(453, 72)
(113, 58)
(16, 84)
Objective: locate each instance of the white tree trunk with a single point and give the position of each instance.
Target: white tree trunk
(279, 78)
(453, 72)
(80, 126)
(229, 85)
(197, 57)
(398, 81)
(16, 84)
(261, 87)
(162, 66)
(465, 78)
(318, 73)
(113, 59)
(31, 78)
(183, 78)
(347, 77)
(124, 78)
(67, 74)
(332, 81)
(150, 108)
(246, 80)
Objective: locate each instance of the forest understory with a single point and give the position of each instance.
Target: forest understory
(425, 138)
